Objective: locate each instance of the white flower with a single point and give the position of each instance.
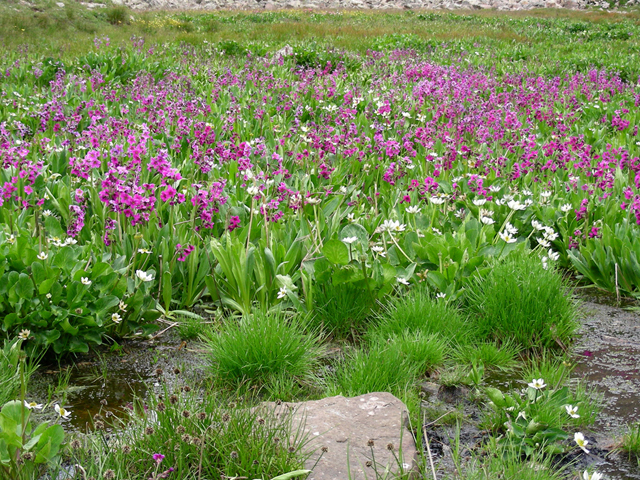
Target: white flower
(437, 200)
(61, 411)
(85, 281)
(507, 237)
(478, 202)
(545, 263)
(436, 231)
(511, 229)
(494, 188)
(593, 476)
(43, 256)
(572, 411)
(537, 225)
(282, 292)
(487, 220)
(403, 281)
(413, 209)
(144, 276)
(515, 205)
(526, 192)
(554, 255)
(116, 318)
(545, 194)
(47, 213)
(143, 250)
(48, 295)
(392, 226)
(122, 306)
(24, 334)
(32, 405)
(379, 250)
(11, 239)
(543, 242)
(253, 190)
(350, 240)
(441, 295)
(566, 207)
(537, 384)
(351, 217)
(581, 441)
(70, 241)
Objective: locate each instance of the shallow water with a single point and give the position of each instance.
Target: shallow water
(108, 383)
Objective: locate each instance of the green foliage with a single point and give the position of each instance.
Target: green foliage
(521, 300)
(25, 449)
(613, 261)
(262, 349)
(61, 301)
(527, 433)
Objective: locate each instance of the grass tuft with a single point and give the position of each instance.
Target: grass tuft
(262, 350)
(520, 300)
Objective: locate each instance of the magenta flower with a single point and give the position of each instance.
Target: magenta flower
(158, 457)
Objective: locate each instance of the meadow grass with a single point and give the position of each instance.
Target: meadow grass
(198, 436)
(546, 41)
(522, 301)
(419, 312)
(263, 350)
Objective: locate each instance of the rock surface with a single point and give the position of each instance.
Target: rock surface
(346, 427)
(365, 4)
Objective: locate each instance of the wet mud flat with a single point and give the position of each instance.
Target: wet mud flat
(608, 358)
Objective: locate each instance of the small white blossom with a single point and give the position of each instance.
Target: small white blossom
(566, 207)
(403, 281)
(572, 411)
(413, 209)
(43, 256)
(478, 202)
(350, 240)
(582, 442)
(85, 281)
(32, 405)
(537, 384)
(62, 411)
(487, 220)
(116, 318)
(24, 334)
(144, 276)
(282, 292)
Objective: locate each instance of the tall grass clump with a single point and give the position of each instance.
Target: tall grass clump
(418, 312)
(631, 441)
(521, 300)
(341, 311)
(263, 349)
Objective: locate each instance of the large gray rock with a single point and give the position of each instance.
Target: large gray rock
(351, 429)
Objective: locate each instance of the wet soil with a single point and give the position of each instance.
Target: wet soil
(608, 358)
(107, 382)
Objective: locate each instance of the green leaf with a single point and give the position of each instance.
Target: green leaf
(358, 231)
(336, 252)
(49, 444)
(24, 287)
(105, 303)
